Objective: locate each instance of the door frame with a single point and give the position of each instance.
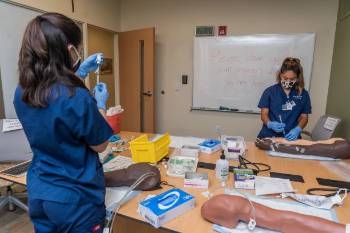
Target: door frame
(115, 58)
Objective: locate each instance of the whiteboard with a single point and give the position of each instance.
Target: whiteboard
(14, 20)
(234, 71)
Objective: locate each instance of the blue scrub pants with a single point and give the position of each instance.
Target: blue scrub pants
(55, 217)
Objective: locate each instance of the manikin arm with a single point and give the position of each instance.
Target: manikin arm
(303, 142)
(127, 176)
(228, 210)
(334, 148)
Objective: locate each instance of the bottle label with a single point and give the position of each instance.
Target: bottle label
(224, 172)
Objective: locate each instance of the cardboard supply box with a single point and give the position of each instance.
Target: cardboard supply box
(166, 206)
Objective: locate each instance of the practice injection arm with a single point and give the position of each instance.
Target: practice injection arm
(228, 210)
(336, 148)
(127, 176)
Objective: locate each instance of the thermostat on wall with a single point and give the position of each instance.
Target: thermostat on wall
(205, 31)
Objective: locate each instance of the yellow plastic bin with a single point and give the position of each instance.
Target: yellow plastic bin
(143, 150)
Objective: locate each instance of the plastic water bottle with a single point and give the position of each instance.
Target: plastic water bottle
(221, 168)
(218, 130)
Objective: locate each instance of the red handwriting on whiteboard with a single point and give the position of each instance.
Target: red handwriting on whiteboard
(249, 71)
(215, 53)
(228, 59)
(275, 61)
(255, 58)
(233, 83)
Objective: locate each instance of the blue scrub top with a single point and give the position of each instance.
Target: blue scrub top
(64, 168)
(288, 107)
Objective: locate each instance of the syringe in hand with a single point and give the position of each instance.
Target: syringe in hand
(284, 132)
(99, 61)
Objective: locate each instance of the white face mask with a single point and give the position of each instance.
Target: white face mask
(320, 202)
(76, 58)
(287, 84)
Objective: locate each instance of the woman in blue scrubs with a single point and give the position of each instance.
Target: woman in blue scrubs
(285, 106)
(64, 126)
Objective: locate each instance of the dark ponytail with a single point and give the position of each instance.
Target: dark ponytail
(44, 58)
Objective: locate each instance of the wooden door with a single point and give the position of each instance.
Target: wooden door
(136, 77)
(101, 40)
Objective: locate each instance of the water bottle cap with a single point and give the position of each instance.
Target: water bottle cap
(222, 156)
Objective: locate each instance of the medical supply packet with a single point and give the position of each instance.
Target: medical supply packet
(210, 146)
(268, 185)
(179, 165)
(196, 180)
(244, 178)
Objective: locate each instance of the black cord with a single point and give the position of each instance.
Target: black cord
(314, 191)
(243, 163)
(166, 183)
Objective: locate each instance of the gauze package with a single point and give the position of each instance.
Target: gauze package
(320, 202)
(114, 110)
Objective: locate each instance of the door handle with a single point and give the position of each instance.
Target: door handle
(148, 93)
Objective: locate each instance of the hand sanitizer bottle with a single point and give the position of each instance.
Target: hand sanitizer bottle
(221, 168)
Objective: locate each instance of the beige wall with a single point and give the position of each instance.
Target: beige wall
(102, 13)
(340, 76)
(175, 21)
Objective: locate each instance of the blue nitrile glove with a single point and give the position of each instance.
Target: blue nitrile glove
(90, 64)
(114, 138)
(276, 126)
(101, 95)
(293, 134)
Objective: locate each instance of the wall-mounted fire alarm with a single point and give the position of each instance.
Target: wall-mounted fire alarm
(222, 30)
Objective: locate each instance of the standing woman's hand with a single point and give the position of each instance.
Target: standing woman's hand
(90, 64)
(101, 95)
